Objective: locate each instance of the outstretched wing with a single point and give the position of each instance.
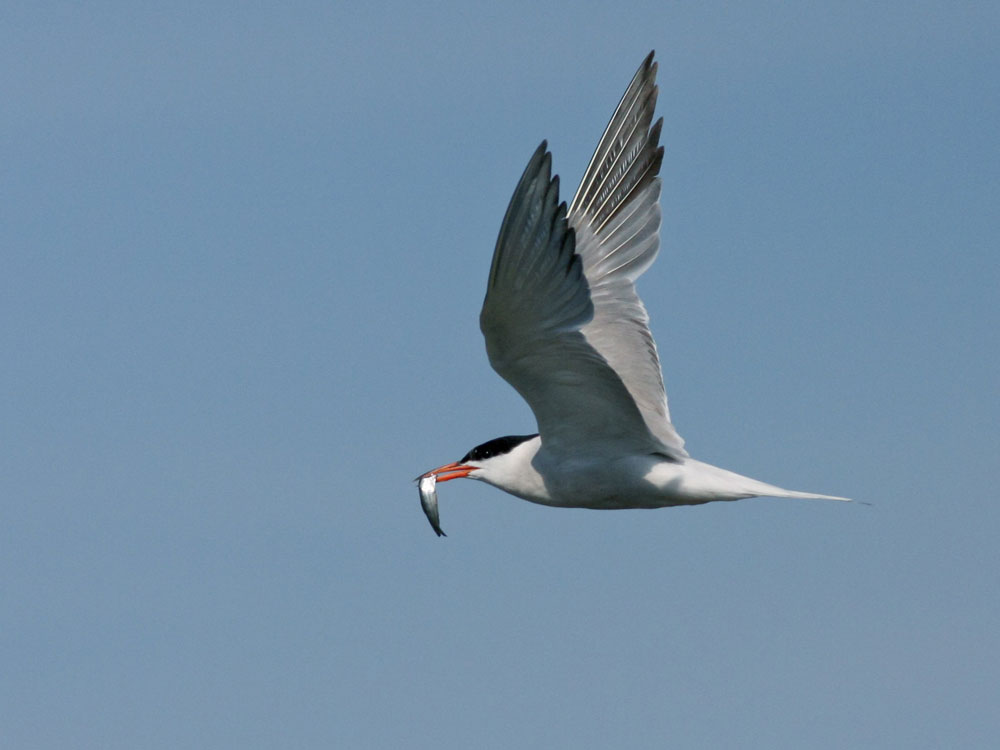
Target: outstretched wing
(562, 322)
(537, 302)
(616, 218)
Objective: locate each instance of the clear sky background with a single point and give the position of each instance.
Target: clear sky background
(243, 252)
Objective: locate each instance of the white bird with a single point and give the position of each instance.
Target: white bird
(564, 326)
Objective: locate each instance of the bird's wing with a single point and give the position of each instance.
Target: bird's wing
(616, 218)
(538, 302)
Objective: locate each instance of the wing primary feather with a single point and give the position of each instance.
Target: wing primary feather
(641, 234)
(632, 164)
(518, 204)
(650, 171)
(623, 158)
(646, 72)
(550, 215)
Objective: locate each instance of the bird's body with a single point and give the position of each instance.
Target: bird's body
(564, 326)
(599, 480)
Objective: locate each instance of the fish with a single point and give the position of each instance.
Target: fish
(429, 501)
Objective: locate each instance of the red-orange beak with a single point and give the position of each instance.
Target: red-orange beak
(450, 471)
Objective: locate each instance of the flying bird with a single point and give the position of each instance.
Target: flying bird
(564, 326)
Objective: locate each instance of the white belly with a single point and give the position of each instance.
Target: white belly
(634, 482)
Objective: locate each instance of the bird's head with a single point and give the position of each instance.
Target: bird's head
(488, 462)
(497, 462)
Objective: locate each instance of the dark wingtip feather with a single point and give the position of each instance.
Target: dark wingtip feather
(654, 132)
(654, 140)
(654, 168)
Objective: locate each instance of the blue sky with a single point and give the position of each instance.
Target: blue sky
(244, 249)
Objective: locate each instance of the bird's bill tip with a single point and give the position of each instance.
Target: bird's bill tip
(450, 471)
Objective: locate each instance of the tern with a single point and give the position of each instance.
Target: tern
(564, 326)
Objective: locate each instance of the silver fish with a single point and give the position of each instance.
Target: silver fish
(429, 502)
